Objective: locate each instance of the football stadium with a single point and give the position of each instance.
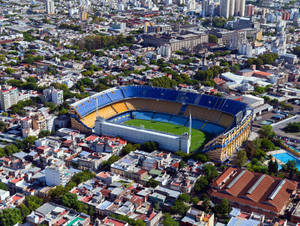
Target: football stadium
(176, 120)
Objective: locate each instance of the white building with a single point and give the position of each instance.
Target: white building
(8, 97)
(53, 95)
(50, 7)
(54, 176)
(239, 8)
(230, 8)
(3, 195)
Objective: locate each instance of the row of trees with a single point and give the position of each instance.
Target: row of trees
(10, 149)
(292, 127)
(94, 42)
(267, 58)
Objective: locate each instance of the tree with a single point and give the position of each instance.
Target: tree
(149, 146)
(296, 51)
(29, 141)
(212, 38)
(2, 126)
(33, 202)
(267, 131)
(223, 208)
(44, 133)
(70, 200)
(3, 186)
(152, 183)
(11, 149)
(267, 145)
(129, 148)
(195, 200)
(179, 207)
(273, 167)
(184, 197)
(241, 158)
(10, 217)
(24, 210)
(210, 172)
(181, 164)
(201, 184)
(292, 127)
(169, 221)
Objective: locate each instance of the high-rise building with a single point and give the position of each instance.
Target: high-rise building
(249, 10)
(50, 7)
(230, 8)
(239, 8)
(224, 8)
(8, 97)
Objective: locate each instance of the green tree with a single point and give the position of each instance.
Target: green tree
(184, 197)
(179, 207)
(129, 148)
(241, 158)
(210, 172)
(33, 202)
(267, 131)
(10, 217)
(212, 38)
(44, 133)
(3, 186)
(273, 167)
(149, 146)
(296, 51)
(195, 200)
(267, 145)
(70, 200)
(24, 210)
(169, 221)
(181, 164)
(201, 184)
(223, 208)
(152, 183)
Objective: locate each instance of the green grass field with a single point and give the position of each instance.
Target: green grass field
(198, 137)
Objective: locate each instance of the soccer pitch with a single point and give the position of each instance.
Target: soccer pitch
(198, 137)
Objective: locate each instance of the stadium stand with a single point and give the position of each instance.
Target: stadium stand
(209, 113)
(202, 113)
(154, 105)
(142, 115)
(120, 107)
(225, 120)
(212, 128)
(161, 117)
(179, 120)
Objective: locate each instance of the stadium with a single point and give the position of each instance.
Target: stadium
(176, 120)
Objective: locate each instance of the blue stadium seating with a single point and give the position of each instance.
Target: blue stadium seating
(121, 118)
(161, 117)
(212, 128)
(179, 120)
(142, 115)
(197, 124)
(116, 95)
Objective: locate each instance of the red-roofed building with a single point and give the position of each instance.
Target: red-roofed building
(253, 192)
(113, 222)
(262, 74)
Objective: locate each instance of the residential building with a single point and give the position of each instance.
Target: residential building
(50, 7)
(8, 97)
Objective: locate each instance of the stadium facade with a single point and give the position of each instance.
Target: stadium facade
(226, 120)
